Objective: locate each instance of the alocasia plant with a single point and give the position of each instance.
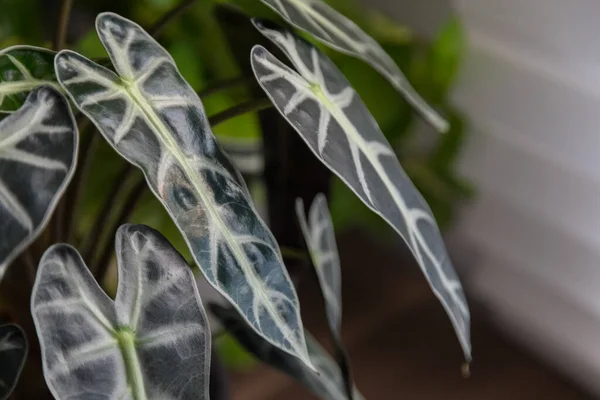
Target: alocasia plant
(151, 342)
(334, 122)
(153, 118)
(38, 145)
(13, 352)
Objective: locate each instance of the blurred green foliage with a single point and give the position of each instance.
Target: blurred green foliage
(201, 53)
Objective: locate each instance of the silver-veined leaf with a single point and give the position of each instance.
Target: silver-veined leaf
(320, 239)
(38, 147)
(151, 342)
(13, 352)
(327, 383)
(22, 69)
(341, 34)
(154, 119)
(332, 119)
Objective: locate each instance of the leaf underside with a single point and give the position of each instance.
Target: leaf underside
(154, 119)
(340, 33)
(22, 69)
(320, 239)
(13, 352)
(152, 342)
(332, 119)
(328, 384)
(38, 146)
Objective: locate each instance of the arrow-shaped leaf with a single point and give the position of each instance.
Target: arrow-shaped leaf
(154, 119)
(332, 119)
(341, 34)
(319, 236)
(320, 239)
(152, 342)
(38, 145)
(22, 69)
(328, 384)
(13, 352)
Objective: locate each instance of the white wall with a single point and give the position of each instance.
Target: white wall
(531, 87)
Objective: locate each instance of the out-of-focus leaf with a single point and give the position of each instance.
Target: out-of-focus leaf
(152, 342)
(22, 69)
(448, 146)
(327, 383)
(155, 120)
(232, 354)
(90, 45)
(320, 239)
(384, 28)
(245, 127)
(13, 353)
(334, 122)
(340, 33)
(38, 147)
(435, 70)
(190, 67)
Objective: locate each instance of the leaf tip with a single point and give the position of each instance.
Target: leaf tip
(466, 369)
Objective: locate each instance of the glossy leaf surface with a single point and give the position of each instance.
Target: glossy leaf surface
(154, 119)
(13, 352)
(38, 146)
(320, 239)
(328, 384)
(22, 69)
(340, 33)
(152, 342)
(334, 122)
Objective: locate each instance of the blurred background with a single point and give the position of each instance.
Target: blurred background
(515, 185)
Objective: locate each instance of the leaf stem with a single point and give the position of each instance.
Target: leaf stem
(63, 25)
(156, 29)
(226, 84)
(126, 339)
(240, 109)
(135, 195)
(84, 163)
(87, 247)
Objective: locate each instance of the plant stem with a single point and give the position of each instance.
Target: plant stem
(242, 108)
(30, 265)
(224, 85)
(126, 339)
(84, 163)
(135, 195)
(87, 247)
(63, 25)
(156, 29)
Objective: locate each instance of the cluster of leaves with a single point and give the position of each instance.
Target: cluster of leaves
(153, 340)
(200, 49)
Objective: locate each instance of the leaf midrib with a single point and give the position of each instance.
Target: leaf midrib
(171, 145)
(320, 96)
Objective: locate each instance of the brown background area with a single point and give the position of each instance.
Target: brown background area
(402, 344)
